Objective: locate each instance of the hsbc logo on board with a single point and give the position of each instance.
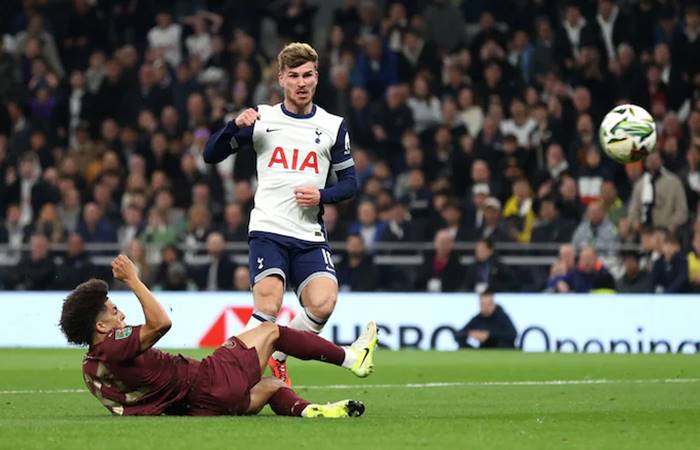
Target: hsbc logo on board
(231, 321)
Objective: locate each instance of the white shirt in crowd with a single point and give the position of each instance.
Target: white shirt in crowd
(169, 40)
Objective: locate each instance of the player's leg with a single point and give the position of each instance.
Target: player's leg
(313, 272)
(308, 346)
(285, 402)
(268, 266)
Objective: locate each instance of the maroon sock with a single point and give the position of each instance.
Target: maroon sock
(306, 345)
(286, 402)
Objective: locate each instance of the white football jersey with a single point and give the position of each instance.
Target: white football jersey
(293, 151)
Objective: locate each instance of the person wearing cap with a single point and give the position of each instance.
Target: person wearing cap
(474, 211)
(492, 226)
(634, 280)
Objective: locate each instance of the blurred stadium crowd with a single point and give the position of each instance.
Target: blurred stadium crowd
(473, 124)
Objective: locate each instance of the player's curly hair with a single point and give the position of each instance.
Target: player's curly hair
(295, 54)
(80, 311)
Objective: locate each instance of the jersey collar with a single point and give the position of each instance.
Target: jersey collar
(299, 116)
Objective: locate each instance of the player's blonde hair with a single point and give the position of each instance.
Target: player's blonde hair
(295, 54)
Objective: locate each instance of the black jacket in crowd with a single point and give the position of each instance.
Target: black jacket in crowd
(501, 330)
(451, 276)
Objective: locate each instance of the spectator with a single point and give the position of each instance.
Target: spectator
(441, 270)
(356, 272)
(550, 227)
(634, 280)
(48, 224)
(157, 232)
(563, 266)
(491, 328)
(235, 227)
(591, 176)
(441, 15)
(613, 206)
(217, 274)
(391, 118)
(29, 191)
(651, 241)
(37, 270)
(493, 227)
(76, 267)
(590, 275)
(241, 279)
(169, 255)
(198, 230)
(94, 227)
(520, 124)
(670, 272)
(569, 205)
(12, 232)
(336, 228)
(132, 225)
(488, 272)
(376, 68)
(694, 264)
(519, 212)
(658, 198)
(596, 231)
(424, 106)
(164, 38)
(451, 216)
(368, 226)
(474, 214)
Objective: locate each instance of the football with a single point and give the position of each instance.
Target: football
(628, 133)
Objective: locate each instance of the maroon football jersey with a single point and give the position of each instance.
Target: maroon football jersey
(128, 381)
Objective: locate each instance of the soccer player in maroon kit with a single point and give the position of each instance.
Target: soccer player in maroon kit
(129, 377)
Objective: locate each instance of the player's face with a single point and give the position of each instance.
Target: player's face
(110, 318)
(299, 84)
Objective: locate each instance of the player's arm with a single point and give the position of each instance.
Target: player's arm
(227, 140)
(157, 321)
(344, 168)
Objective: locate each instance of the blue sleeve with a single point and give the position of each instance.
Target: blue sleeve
(226, 142)
(344, 167)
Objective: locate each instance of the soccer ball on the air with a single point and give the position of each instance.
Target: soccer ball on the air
(628, 133)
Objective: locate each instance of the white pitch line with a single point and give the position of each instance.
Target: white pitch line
(424, 385)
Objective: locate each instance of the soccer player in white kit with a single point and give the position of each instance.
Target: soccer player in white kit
(297, 144)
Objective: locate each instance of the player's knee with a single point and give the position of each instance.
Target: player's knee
(268, 305)
(323, 308)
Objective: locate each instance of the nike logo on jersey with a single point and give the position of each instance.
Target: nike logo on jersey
(260, 263)
(270, 130)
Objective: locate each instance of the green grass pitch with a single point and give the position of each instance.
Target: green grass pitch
(499, 400)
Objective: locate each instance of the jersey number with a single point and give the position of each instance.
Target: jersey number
(327, 258)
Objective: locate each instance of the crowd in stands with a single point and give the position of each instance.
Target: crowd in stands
(470, 121)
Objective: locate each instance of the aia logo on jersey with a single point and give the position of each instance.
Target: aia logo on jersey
(290, 160)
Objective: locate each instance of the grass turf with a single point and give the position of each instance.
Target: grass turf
(636, 408)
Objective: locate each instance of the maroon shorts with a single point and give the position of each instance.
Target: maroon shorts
(224, 380)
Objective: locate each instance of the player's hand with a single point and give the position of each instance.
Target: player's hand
(123, 269)
(247, 118)
(307, 197)
(479, 335)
